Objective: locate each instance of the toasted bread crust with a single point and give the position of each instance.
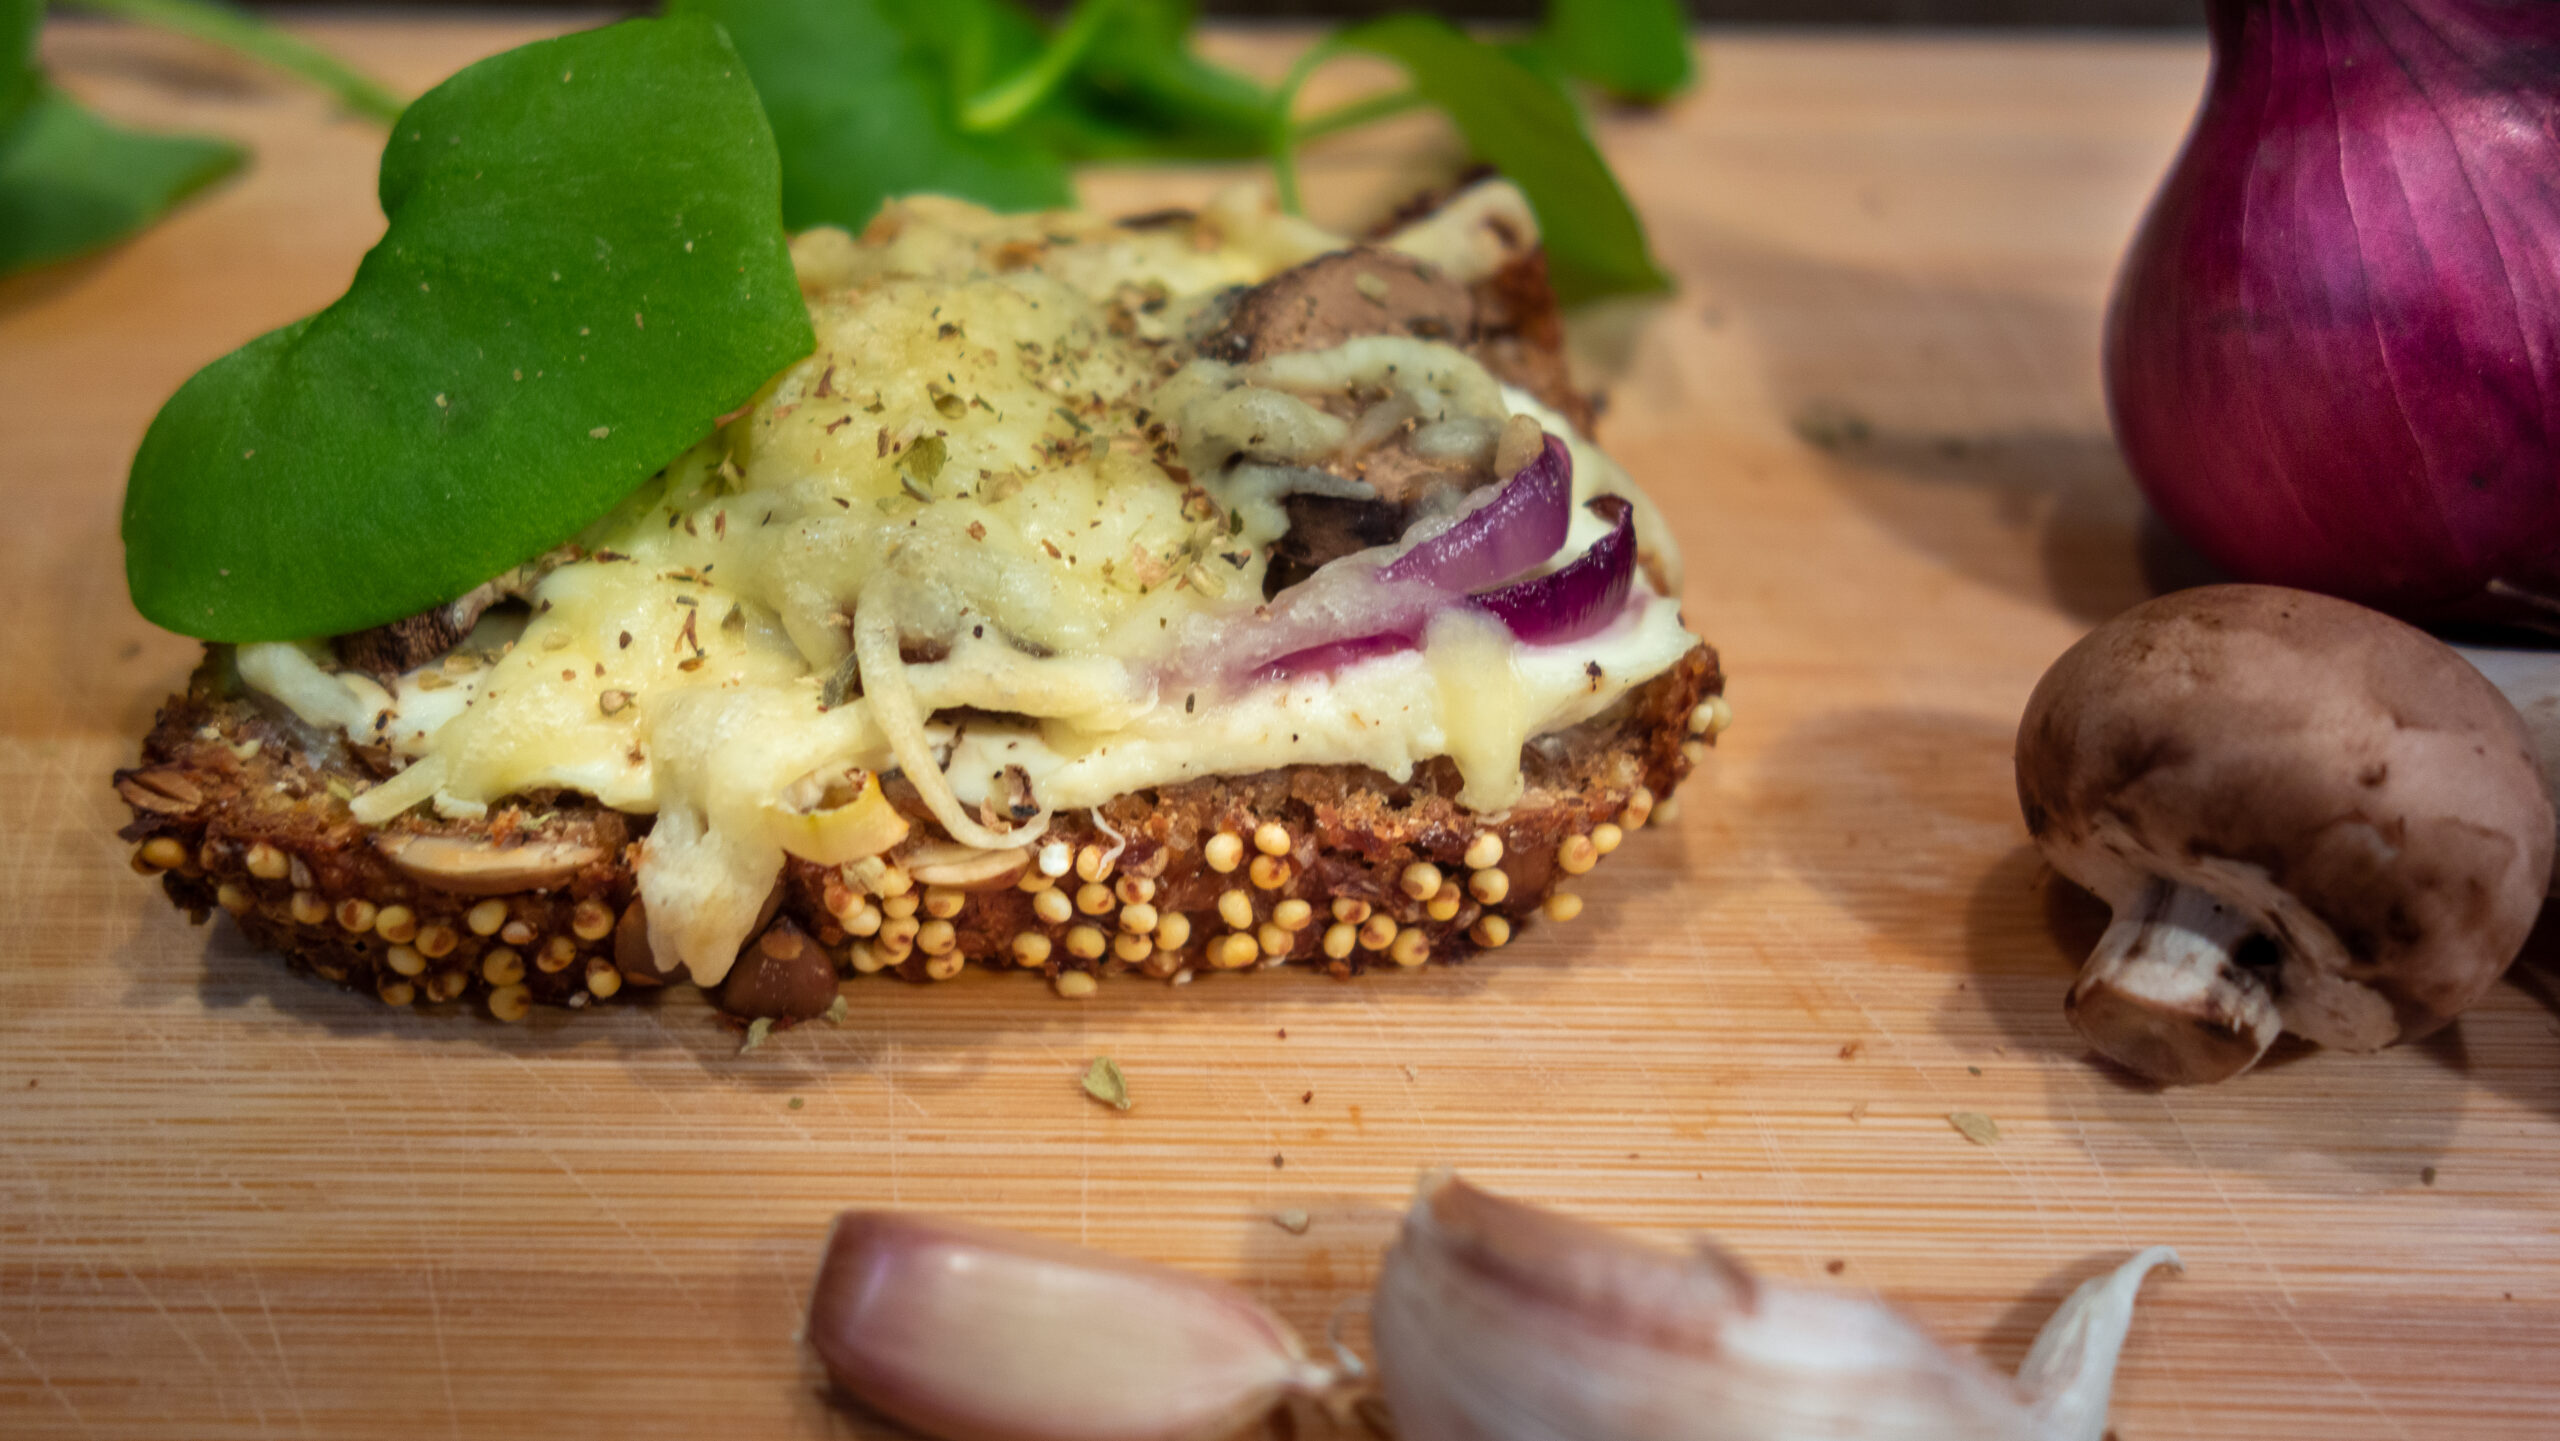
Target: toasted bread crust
(238, 807)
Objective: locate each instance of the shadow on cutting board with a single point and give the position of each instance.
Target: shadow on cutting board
(1907, 821)
(1881, 810)
(2029, 922)
(2481, 1044)
(2027, 930)
(1930, 401)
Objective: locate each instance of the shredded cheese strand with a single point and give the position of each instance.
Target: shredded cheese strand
(1119, 842)
(419, 782)
(892, 702)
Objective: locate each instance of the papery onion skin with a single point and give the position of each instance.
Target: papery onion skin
(2333, 353)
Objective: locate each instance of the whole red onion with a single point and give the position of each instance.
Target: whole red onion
(2333, 353)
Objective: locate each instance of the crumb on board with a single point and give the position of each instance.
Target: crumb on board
(1976, 1127)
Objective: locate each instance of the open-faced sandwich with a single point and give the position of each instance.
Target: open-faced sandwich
(1188, 592)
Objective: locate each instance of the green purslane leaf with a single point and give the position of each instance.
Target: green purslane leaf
(583, 268)
(1002, 104)
(1638, 49)
(864, 105)
(19, 77)
(237, 30)
(1134, 91)
(969, 43)
(1143, 88)
(1527, 128)
(71, 183)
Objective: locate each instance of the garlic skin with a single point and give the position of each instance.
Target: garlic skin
(1497, 1321)
(971, 1333)
(2071, 1368)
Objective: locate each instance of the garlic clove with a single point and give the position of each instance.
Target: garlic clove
(971, 1333)
(2070, 1370)
(1496, 1321)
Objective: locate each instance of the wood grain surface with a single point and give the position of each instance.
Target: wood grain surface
(236, 1202)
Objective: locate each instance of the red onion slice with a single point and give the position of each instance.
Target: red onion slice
(1579, 598)
(1333, 655)
(1523, 524)
(1339, 614)
(1349, 612)
(1576, 598)
(1377, 609)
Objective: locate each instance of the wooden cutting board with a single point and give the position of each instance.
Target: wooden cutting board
(237, 1202)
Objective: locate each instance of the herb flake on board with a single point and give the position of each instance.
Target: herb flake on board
(1975, 1126)
(1104, 1082)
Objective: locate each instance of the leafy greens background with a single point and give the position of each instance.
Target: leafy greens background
(874, 98)
(861, 107)
(476, 397)
(71, 182)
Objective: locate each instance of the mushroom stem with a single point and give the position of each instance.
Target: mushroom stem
(2163, 996)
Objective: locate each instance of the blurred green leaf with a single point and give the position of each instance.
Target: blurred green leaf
(1142, 80)
(1636, 49)
(240, 31)
(71, 183)
(998, 105)
(1528, 128)
(863, 96)
(19, 77)
(563, 301)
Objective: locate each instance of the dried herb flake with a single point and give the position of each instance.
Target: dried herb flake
(1104, 1082)
(1977, 1127)
(923, 463)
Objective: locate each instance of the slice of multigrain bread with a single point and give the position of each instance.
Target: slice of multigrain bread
(239, 806)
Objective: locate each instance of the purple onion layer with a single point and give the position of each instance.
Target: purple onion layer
(2333, 354)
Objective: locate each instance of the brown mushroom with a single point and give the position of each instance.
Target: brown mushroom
(468, 866)
(966, 868)
(784, 975)
(2530, 680)
(638, 960)
(2307, 816)
(631, 953)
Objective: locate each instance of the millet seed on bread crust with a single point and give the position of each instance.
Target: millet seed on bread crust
(239, 807)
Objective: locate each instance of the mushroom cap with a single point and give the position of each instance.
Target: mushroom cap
(2346, 781)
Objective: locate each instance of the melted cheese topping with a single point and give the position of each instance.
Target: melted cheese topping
(980, 466)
